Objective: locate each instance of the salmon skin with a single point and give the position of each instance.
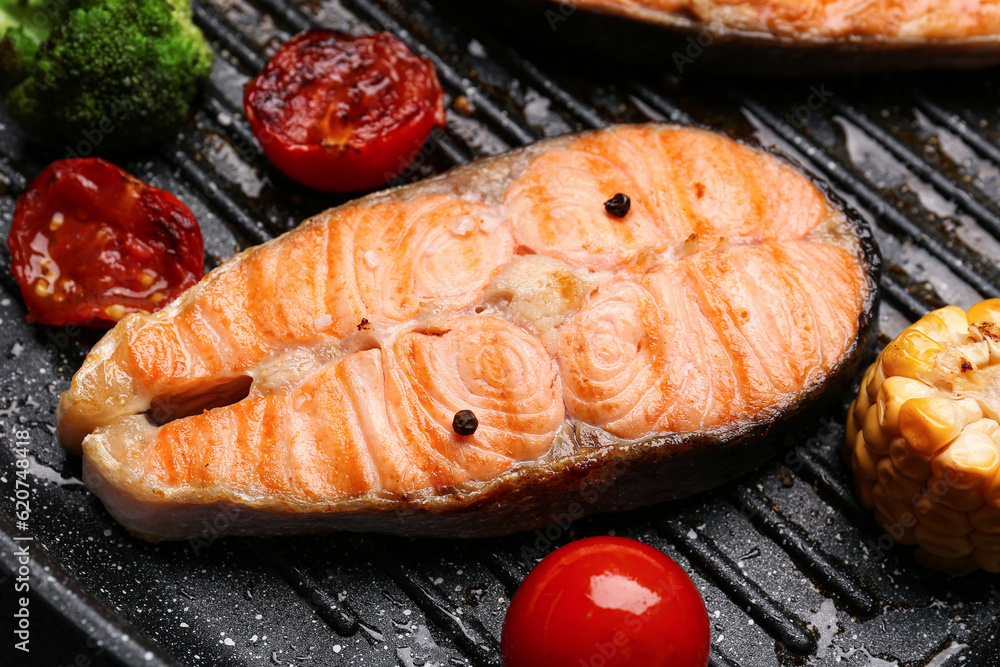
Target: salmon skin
(765, 37)
(613, 357)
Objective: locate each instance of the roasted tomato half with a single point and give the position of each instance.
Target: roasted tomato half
(608, 602)
(90, 243)
(342, 113)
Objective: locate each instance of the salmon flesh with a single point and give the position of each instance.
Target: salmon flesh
(826, 19)
(761, 37)
(612, 356)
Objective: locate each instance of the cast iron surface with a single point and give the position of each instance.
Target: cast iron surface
(791, 568)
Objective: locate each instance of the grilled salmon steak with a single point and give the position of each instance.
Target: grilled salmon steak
(626, 313)
(764, 37)
(916, 19)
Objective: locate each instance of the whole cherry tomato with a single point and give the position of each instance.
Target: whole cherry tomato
(342, 113)
(606, 602)
(90, 243)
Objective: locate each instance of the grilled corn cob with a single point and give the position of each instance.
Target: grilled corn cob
(923, 438)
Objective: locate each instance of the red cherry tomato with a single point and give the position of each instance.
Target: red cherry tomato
(342, 113)
(606, 602)
(91, 243)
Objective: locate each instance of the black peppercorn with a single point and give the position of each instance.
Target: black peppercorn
(618, 205)
(465, 422)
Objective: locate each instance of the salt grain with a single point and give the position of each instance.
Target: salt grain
(536, 107)
(463, 225)
(477, 49)
(371, 259)
(323, 322)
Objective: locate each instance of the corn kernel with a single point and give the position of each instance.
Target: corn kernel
(42, 288)
(942, 520)
(897, 486)
(867, 379)
(875, 436)
(869, 373)
(896, 511)
(971, 409)
(901, 533)
(909, 463)
(864, 462)
(984, 426)
(968, 462)
(985, 311)
(878, 377)
(954, 318)
(985, 541)
(946, 546)
(988, 560)
(929, 423)
(860, 407)
(991, 490)
(943, 323)
(910, 355)
(894, 393)
(986, 519)
(962, 500)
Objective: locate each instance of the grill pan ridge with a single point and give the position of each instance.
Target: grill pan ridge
(792, 569)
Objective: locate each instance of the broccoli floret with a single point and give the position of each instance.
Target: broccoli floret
(105, 75)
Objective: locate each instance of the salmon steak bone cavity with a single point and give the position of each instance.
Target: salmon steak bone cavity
(630, 315)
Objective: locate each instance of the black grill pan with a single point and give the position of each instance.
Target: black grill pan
(793, 571)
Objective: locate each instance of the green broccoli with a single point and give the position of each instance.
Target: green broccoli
(107, 75)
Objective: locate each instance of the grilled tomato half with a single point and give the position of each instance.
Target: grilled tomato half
(89, 243)
(608, 601)
(342, 113)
